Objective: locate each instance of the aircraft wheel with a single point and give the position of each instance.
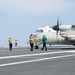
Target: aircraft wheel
(50, 44)
(36, 47)
(73, 44)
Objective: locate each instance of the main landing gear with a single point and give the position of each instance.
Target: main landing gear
(36, 47)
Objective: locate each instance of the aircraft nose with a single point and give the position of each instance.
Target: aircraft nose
(34, 35)
(55, 27)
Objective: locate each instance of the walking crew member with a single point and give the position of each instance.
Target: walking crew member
(31, 41)
(16, 43)
(10, 43)
(44, 39)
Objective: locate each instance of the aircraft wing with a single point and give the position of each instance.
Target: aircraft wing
(66, 31)
(69, 37)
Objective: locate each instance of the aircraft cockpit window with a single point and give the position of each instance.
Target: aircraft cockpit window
(39, 30)
(73, 26)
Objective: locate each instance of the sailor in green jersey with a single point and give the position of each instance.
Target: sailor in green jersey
(44, 39)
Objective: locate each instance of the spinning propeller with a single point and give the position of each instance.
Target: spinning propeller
(56, 28)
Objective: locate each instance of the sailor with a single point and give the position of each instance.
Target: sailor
(10, 43)
(31, 41)
(44, 39)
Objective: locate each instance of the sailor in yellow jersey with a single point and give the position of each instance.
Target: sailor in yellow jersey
(10, 43)
(31, 41)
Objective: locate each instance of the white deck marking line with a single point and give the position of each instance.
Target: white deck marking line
(15, 63)
(17, 56)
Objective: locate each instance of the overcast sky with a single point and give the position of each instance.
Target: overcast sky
(20, 18)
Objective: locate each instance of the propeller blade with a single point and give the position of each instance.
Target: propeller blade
(56, 27)
(57, 30)
(58, 24)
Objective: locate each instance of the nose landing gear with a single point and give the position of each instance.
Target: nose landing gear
(36, 47)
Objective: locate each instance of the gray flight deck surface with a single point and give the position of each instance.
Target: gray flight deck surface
(57, 60)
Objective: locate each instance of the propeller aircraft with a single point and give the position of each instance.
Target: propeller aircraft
(58, 34)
